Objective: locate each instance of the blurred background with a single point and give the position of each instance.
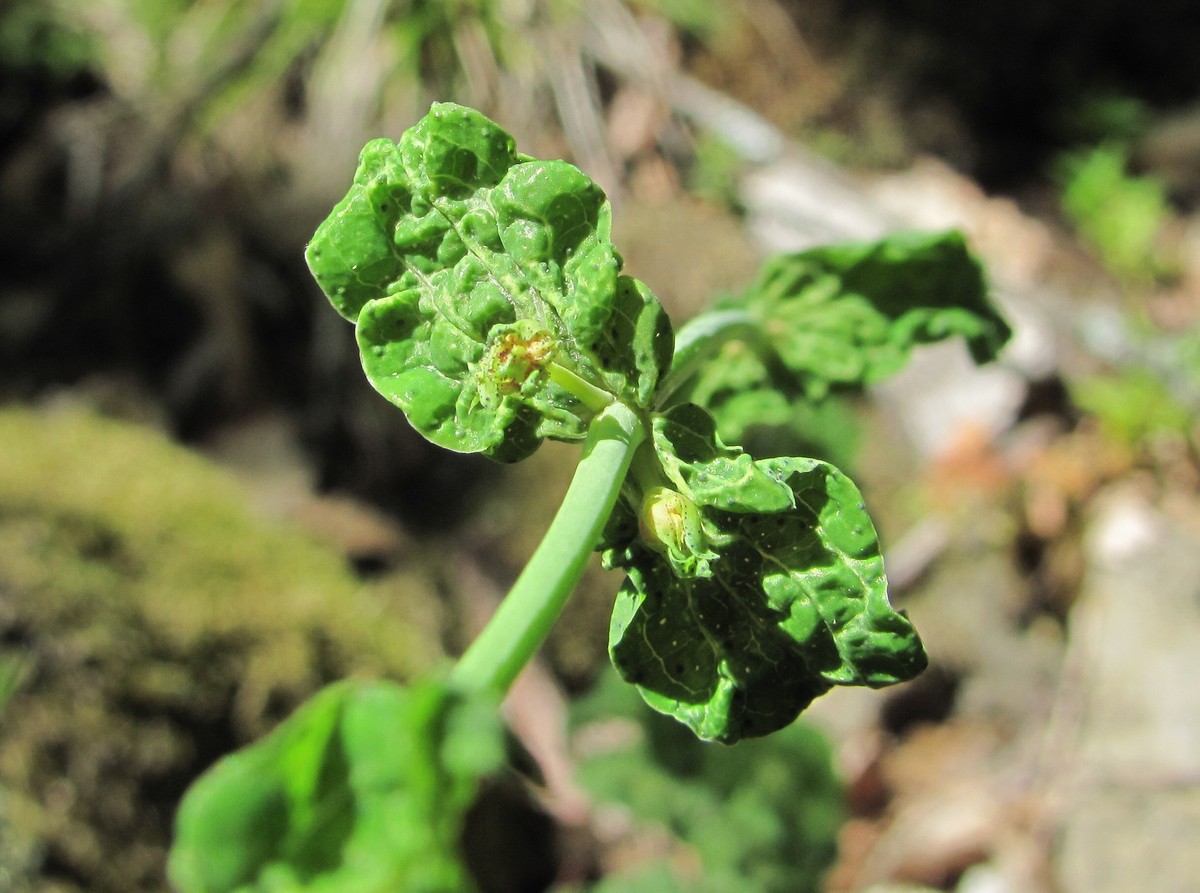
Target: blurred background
(206, 513)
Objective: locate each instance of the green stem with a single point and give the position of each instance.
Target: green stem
(646, 472)
(585, 392)
(525, 617)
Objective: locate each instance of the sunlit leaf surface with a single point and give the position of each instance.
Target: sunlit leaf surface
(788, 600)
(484, 284)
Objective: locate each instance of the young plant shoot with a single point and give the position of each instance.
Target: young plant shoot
(489, 305)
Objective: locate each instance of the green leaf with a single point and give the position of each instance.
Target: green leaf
(712, 474)
(850, 313)
(765, 423)
(1121, 215)
(838, 318)
(451, 252)
(792, 600)
(361, 790)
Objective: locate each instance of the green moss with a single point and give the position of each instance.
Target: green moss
(158, 622)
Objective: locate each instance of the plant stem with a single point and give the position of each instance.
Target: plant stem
(528, 612)
(588, 394)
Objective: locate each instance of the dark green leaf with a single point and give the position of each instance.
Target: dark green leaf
(363, 790)
(787, 596)
(452, 252)
(851, 312)
(765, 423)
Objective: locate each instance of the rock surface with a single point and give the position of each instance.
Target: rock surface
(1131, 810)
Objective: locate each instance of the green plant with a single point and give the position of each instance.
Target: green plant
(35, 34)
(1151, 393)
(714, 173)
(780, 792)
(1121, 215)
(1133, 407)
(12, 669)
(490, 307)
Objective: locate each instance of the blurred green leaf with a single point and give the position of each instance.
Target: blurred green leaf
(362, 790)
(702, 18)
(784, 596)
(12, 673)
(714, 173)
(838, 318)
(485, 288)
(761, 818)
(766, 423)
(1106, 116)
(1134, 406)
(36, 34)
(1119, 214)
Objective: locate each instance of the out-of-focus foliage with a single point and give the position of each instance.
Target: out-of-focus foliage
(1133, 407)
(1014, 72)
(12, 669)
(1153, 392)
(714, 172)
(158, 45)
(761, 817)
(157, 528)
(704, 18)
(361, 790)
(838, 318)
(201, 61)
(19, 849)
(1107, 117)
(1120, 215)
(38, 34)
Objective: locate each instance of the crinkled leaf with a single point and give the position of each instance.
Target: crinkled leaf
(712, 474)
(361, 790)
(844, 316)
(850, 313)
(794, 601)
(452, 250)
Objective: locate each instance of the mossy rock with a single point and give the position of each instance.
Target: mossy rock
(151, 621)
